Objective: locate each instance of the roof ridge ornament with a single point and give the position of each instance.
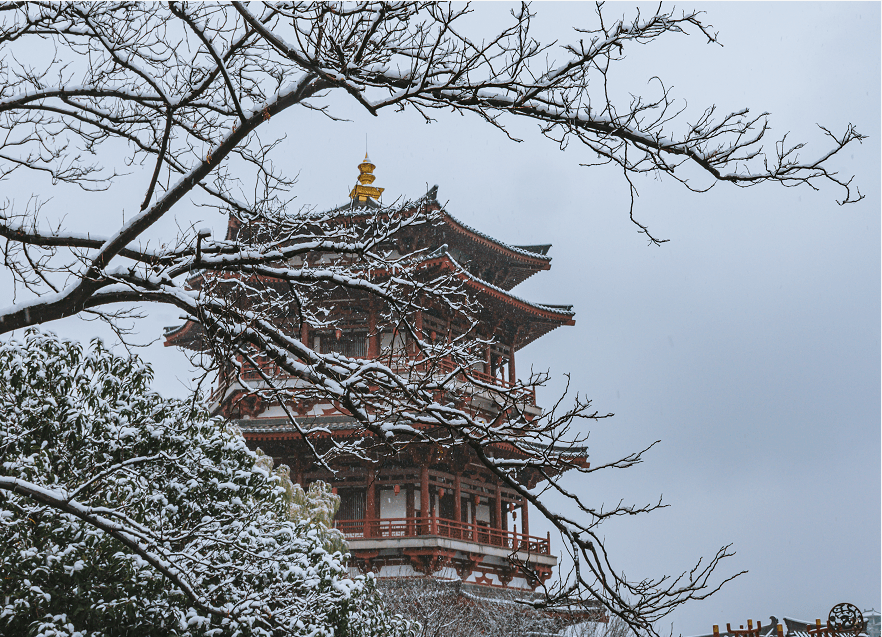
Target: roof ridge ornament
(363, 190)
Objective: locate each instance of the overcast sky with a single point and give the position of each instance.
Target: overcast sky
(748, 344)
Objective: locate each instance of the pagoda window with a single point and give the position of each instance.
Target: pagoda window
(482, 514)
(479, 367)
(393, 344)
(352, 504)
(434, 328)
(446, 505)
(417, 501)
(351, 344)
(393, 505)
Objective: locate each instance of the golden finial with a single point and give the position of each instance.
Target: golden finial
(363, 189)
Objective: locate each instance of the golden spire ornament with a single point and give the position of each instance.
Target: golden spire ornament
(363, 191)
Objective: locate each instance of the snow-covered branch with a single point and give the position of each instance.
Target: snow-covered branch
(188, 90)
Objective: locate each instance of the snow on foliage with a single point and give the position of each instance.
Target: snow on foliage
(122, 512)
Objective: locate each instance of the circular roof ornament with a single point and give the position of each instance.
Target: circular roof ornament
(846, 618)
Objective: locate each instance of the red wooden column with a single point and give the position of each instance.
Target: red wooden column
(373, 347)
(370, 504)
(498, 507)
(525, 523)
(418, 327)
(474, 509)
(425, 500)
(457, 504)
(512, 378)
(409, 509)
(457, 494)
(298, 472)
(304, 333)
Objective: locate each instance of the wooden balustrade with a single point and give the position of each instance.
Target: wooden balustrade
(470, 532)
(398, 364)
(448, 366)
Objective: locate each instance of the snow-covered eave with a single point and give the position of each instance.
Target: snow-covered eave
(541, 261)
(181, 335)
(561, 313)
(538, 258)
(279, 428)
(577, 455)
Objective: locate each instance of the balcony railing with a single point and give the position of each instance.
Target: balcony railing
(448, 366)
(402, 364)
(440, 527)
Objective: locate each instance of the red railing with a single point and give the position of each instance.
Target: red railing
(470, 532)
(402, 364)
(448, 366)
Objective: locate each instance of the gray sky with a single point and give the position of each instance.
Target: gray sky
(749, 344)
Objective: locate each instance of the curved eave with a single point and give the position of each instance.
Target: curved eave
(264, 435)
(276, 428)
(543, 318)
(541, 311)
(537, 260)
(536, 257)
(187, 336)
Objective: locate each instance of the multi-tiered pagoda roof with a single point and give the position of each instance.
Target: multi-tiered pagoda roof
(429, 510)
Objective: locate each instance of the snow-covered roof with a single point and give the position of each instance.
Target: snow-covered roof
(341, 422)
(539, 251)
(533, 252)
(791, 628)
(545, 307)
(283, 425)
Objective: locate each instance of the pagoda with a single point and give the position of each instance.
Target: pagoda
(429, 510)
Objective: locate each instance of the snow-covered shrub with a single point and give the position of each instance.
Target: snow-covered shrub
(124, 513)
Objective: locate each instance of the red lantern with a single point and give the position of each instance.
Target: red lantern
(397, 489)
(441, 493)
(338, 333)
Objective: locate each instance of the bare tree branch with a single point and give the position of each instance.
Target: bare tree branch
(115, 72)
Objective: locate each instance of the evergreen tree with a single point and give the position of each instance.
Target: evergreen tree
(124, 513)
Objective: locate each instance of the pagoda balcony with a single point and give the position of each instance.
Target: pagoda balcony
(395, 528)
(401, 366)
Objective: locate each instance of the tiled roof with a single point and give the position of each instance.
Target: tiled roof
(534, 252)
(558, 309)
(540, 249)
(531, 251)
(792, 628)
(283, 425)
(340, 422)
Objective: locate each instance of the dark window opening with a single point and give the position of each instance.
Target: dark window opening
(446, 506)
(349, 344)
(351, 504)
